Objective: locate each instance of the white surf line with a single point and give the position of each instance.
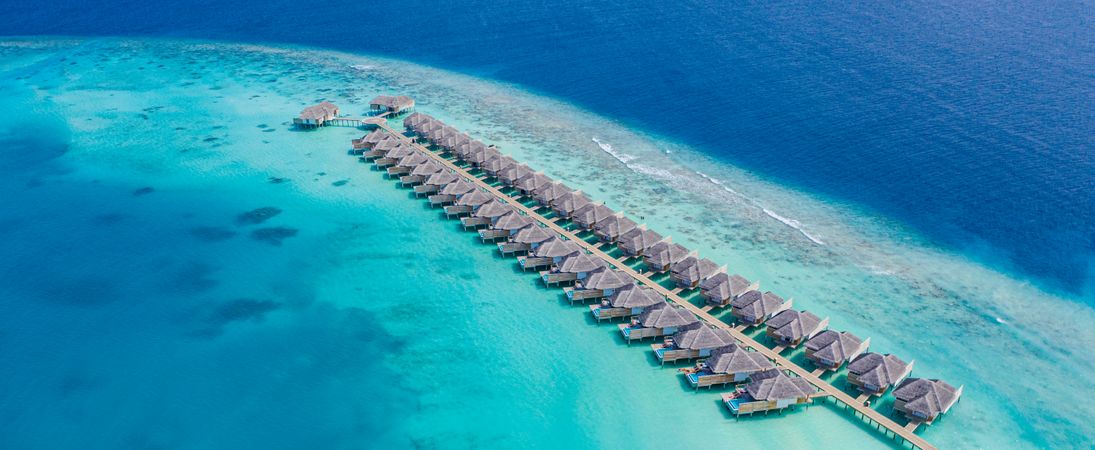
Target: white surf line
(627, 159)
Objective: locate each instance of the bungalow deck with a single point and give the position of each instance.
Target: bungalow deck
(639, 333)
(554, 278)
(581, 295)
(666, 354)
(743, 405)
(607, 313)
(441, 200)
(707, 379)
(513, 248)
(533, 262)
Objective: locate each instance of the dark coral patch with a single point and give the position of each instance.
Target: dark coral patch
(257, 216)
(273, 235)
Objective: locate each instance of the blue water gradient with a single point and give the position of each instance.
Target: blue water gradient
(971, 122)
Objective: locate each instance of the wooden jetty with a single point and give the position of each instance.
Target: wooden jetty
(630, 332)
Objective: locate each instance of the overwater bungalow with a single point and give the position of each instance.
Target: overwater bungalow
(588, 216)
(420, 173)
(434, 183)
(463, 152)
(367, 141)
(658, 320)
(873, 373)
(486, 215)
(388, 152)
(511, 174)
(451, 192)
(791, 328)
(636, 241)
(922, 400)
(728, 364)
(610, 229)
(770, 390)
(691, 342)
(477, 158)
(753, 308)
(495, 165)
(661, 256)
(548, 194)
(566, 204)
(600, 283)
(506, 226)
(394, 104)
(722, 288)
(531, 183)
(572, 268)
(626, 302)
(526, 239)
(407, 163)
(690, 271)
(549, 253)
(830, 349)
(412, 120)
(316, 115)
(467, 203)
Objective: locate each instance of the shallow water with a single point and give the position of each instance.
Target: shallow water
(147, 303)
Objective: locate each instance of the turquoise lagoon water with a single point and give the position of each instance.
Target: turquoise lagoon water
(151, 302)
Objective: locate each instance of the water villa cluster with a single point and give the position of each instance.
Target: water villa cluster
(658, 288)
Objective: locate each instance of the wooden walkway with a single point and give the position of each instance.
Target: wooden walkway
(837, 394)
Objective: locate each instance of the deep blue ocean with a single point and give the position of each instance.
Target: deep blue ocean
(974, 123)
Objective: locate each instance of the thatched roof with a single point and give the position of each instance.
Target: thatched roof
(592, 213)
(664, 253)
(557, 247)
(551, 192)
(834, 346)
(478, 156)
(926, 398)
(442, 178)
(581, 262)
(878, 369)
(374, 137)
(413, 160)
(701, 336)
(498, 163)
(606, 278)
(391, 144)
(533, 235)
(512, 221)
(324, 110)
(512, 173)
(774, 385)
(793, 325)
(615, 225)
(427, 168)
(739, 285)
(569, 201)
(717, 286)
(754, 304)
(636, 297)
(666, 316)
(496, 208)
(474, 198)
(638, 239)
(394, 103)
(736, 359)
(695, 269)
(460, 187)
(532, 182)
